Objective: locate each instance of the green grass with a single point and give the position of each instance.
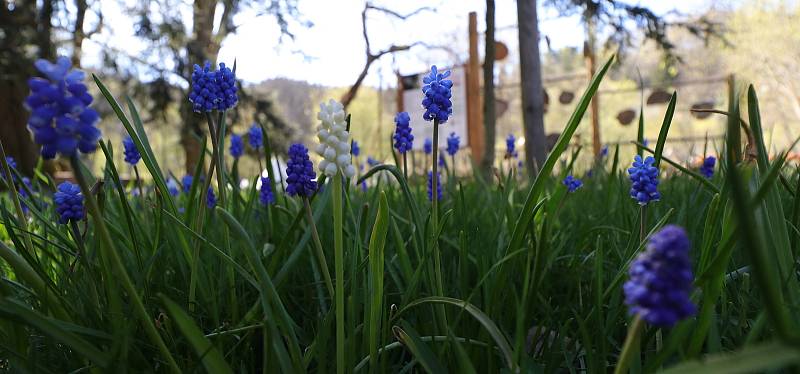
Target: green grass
(530, 276)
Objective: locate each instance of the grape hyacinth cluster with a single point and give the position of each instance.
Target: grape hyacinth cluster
(604, 151)
(438, 186)
(69, 203)
(12, 164)
(661, 279)
(300, 172)
(213, 90)
(254, 136)
(427, 146)
(265, 195)
(572, 183)
(437, 91)
(707, 169)
(61, 121)
(237, 146)
(334, 140)
(372, 162)
(355, 150)
(403, 139)
(186, 183)
(132, 155)
(172, 187)
(644, 180)
(511, 146)
(453, 143)
(211, 198)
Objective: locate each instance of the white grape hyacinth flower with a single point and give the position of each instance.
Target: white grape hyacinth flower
(334, 140)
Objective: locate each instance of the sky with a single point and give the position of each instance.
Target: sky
(333, 48)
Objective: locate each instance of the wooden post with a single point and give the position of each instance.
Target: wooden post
(474, 107)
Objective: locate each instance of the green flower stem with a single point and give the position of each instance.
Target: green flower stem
(321, 262)
(338, 249)
(12, 190)
(216, 156)
(405, 166)
(108, 251)
(138, 182)
(631, 345)
(437, 260)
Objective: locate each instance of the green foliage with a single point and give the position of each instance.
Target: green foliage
(531, 275)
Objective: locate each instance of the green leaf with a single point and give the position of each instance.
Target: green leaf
(753, 359)
(19, 311)
(375, 282)
(211, 357)
(479, 315)
(662, 135)
(521, 225)
(411, 340)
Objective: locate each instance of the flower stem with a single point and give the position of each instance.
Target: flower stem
(338, 248)
(405, 166)
(321, 262)
(138, 182)
(439, 289)
(631, 345)
(108, 251)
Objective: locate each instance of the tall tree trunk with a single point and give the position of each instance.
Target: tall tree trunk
(201, 48)
(489, 115)
(532, 90)
(78, 35)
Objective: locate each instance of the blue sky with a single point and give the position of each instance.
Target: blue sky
(333, 49)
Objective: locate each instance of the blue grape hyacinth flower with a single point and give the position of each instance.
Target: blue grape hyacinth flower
(355, 150)
(186, 183)
(604, 151)
(12, 164)
(265, 195)
(572, 183)
(211, 198)
(132, 155)
(453, 143)
(213, 90)
(172, 187)
(300, 172)
(61, 121)
(707, 169)
(438, 186)
(237, 146)
(69, 202)
(254, 136)
(437, 91)
(372, 162)
(403, 139)
(661, 279)
(427, 146)
(644, 180)
(511, 146)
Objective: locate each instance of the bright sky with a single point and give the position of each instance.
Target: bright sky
(333, 49)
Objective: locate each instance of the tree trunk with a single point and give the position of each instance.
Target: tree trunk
(78, 35)
(489, 115)
(200, 49)
(532, 90)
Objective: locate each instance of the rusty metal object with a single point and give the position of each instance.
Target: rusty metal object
(658, 96)
(626, 117)
(566, 97)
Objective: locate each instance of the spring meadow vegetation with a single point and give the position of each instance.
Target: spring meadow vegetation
(641, 264)
(329, 260)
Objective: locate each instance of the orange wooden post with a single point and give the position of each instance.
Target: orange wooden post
(474, 107)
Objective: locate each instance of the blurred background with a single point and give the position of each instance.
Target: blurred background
(292, 54)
